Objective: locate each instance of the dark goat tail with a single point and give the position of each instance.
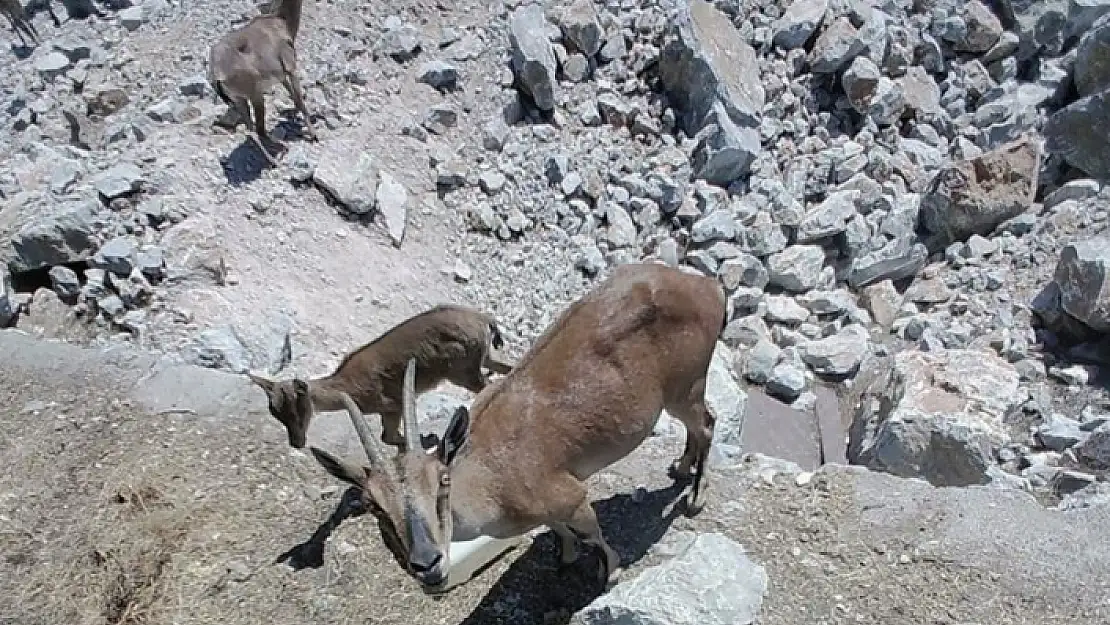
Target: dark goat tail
(495, 336)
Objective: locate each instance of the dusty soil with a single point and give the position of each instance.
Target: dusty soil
(117, 510)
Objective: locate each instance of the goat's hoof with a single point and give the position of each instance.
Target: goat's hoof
(692, 508)
(679, 470)
(612, 579)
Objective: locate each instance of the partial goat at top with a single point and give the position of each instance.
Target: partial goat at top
(247, 62)
(21, 22)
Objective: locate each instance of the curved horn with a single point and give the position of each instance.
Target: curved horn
(369, 441)
(408, 407)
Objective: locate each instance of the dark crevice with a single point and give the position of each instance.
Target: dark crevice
(35, 279)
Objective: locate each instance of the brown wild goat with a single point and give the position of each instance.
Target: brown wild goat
(586, 395)
(247, 62)
(21, 23)
(448, 342)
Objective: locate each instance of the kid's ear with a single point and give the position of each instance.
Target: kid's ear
(455, 436)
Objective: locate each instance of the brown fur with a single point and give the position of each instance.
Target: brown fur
(448, 342)
(21, 23)
(246, 62)
(586, 395)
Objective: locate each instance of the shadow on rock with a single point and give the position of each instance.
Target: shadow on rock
(536, 590)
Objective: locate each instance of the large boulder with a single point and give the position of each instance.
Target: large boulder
(939, 415)
(66, 238)
(580, 25)
(1095, 450)
(711, 75)
(1083, 281)
(1092, 59)
(726, 401)
(798, 23)
(1078, 133)
(711, 582)
(977, 195)
(353, 186)
(533, 59)
(1043, 26)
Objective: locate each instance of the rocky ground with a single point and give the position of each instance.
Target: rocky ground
(902, 199)
(120, 506)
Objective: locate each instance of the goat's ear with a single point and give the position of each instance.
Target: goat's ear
(267, 385)
(346, 471)
(454, 437)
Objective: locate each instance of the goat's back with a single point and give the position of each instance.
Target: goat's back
(441, 339)
(250, 56)
(592, 387)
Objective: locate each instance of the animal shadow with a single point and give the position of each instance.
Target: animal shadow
(245, 163)
(310, 553)
(22, 51)
(535, 589)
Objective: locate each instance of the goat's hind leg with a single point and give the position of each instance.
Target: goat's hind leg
(699, 422)
(293, 84)
(258, 111)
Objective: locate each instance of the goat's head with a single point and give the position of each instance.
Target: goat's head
(290, 404)
(413, 490)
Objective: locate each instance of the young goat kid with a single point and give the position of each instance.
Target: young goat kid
(21, 23)
(249, 61)
(448, 342)
(586, 395)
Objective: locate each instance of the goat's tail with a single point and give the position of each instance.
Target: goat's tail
(496, 339)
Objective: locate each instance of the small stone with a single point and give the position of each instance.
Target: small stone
(152, 263)
(744, 270)
(581, 27)
(1060, 433)
(838, 355)
(492, 182)
(836, 47)
(117, 256)
(132, 18)
(392, 201)
(52, 65)
(782, 309)
(461, 272)
(576, 68)
(65, 283)
(119, 181)
(353, 185)
(439, 74)
(798, 23)
(622, 230)
(787, 382)
(718, 225)
(797, 268)
(760, 361)
(401, 42)
(194, 86)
